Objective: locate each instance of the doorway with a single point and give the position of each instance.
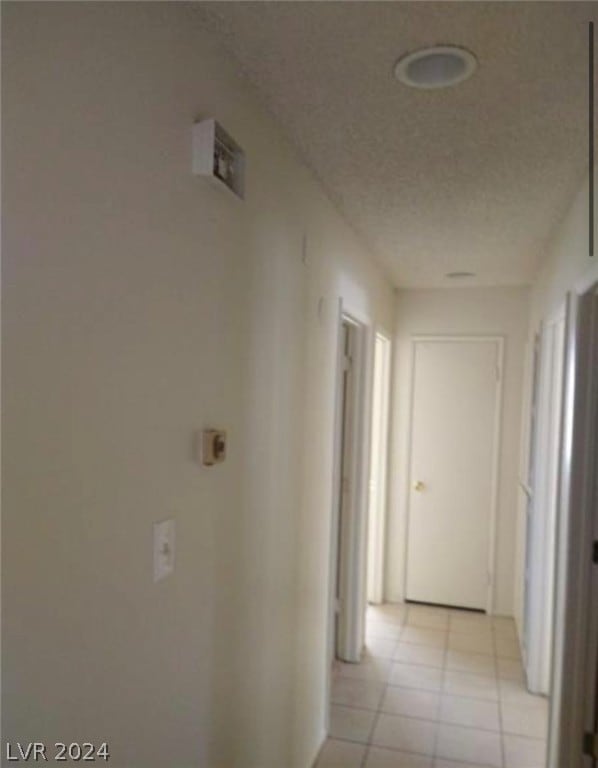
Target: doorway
(454, 436)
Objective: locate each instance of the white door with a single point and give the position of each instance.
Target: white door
(456, 396)
(543, 508)
(345, 439)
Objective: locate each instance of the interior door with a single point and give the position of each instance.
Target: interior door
(342, 630)
(456, 386)
(542, 521)
(350, 566)
(529, 490)
(591, 697)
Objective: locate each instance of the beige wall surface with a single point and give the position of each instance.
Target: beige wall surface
(140, 305)
(459, 311)
(566, 264)
(566, 261)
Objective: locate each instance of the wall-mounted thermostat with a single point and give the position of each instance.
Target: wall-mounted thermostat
(217, 156)
(213, 446)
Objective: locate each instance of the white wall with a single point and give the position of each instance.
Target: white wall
(567, 267)
(566, 262)
(141, 304)
(465, 311)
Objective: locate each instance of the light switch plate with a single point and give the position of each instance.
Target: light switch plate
(164, 549)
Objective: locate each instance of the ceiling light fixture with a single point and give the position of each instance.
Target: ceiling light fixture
(459, 275)
(438, 67)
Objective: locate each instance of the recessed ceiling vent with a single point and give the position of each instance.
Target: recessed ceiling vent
(459, 275)
(437, 67)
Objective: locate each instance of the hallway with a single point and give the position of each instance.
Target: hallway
(216, 217)
(437, 688)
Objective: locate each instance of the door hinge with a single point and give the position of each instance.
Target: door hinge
(590, 745)
(347, 363)
(498, 373)
(595, 552)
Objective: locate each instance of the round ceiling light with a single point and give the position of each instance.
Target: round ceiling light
(437, 67)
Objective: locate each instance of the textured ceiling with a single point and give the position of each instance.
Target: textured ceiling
(471, 178)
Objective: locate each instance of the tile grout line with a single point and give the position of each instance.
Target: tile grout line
(441, 694)
(437, 720)
(438, 706)
(378, 712)
(386, 684)
(500, 719)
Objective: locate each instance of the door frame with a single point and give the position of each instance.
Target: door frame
(579, 521)
(377, 513)
(527, 454)
(354, 543)
(499, 340)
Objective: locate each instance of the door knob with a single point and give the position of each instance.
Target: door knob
(419, 486)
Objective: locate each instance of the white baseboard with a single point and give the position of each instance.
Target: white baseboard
(322, 739)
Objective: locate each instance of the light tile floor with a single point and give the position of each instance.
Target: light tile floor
(436, 688)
